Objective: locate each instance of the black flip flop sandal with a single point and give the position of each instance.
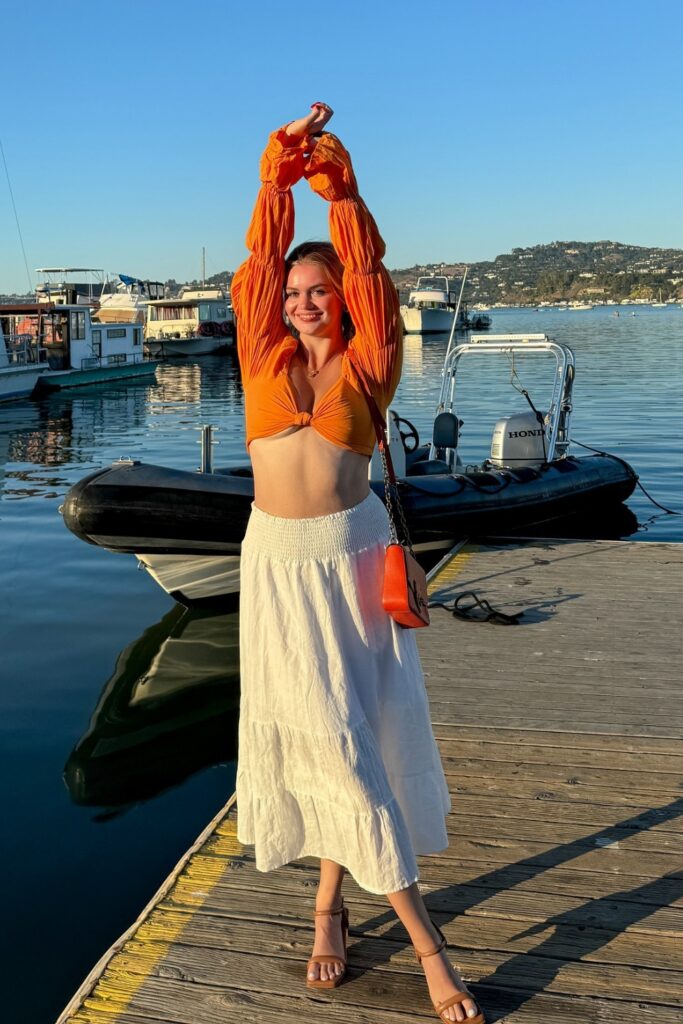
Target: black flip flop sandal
(479, 610)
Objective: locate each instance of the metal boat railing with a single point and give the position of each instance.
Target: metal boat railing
(558, 415)
(22, 350)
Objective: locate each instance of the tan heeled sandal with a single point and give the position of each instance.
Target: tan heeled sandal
(322, 958)
(457, 997)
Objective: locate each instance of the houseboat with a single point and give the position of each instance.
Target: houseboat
(57, 341)
(195, 323)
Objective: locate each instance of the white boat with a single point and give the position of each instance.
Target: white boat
(579, 305)
(432, 306)
(125, 299)
(195, 323)
(660, 304)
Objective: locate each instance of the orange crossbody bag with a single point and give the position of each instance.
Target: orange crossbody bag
(404, 590)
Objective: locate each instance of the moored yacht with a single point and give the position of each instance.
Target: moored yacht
(125, 299)
(432, 305)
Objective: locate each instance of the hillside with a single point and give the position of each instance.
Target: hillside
(557, 271)
(553, 272)
(565, 270)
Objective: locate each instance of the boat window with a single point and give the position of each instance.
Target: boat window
(170, 313)
(120, 357)
(437, 284)
(136, 335)
(219, 313)
(116, 332)
(97, 342)
(77, 326)
(205, 311)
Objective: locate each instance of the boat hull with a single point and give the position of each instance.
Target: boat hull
(188, 347)
(57, 380)
(186, 528)
(19, 382)
(426, 321)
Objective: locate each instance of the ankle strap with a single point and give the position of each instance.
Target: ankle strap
(329, 913)
(437, 949)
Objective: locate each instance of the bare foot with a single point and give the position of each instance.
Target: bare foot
(329, 941)
(444, 980)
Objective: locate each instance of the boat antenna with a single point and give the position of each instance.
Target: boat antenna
(455, 318)
(16, 217)
(203, 267)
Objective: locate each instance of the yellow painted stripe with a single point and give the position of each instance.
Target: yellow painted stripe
(149, 944)
(451, 569)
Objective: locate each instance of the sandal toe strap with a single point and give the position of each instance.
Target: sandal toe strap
(453, 1000)
(321, 958)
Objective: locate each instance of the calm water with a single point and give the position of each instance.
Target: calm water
(119, 710)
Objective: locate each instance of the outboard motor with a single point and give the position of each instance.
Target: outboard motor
(519, 441)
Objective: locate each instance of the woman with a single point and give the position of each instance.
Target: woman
(337, 758)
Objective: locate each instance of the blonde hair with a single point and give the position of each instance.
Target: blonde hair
(323, 255)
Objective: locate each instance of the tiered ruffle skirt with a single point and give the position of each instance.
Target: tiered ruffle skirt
(337, 758)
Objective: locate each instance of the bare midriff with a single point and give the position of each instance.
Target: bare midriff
(299, 473)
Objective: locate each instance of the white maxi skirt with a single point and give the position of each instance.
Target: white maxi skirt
(337, 758)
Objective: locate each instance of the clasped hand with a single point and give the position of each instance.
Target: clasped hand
(311, 124)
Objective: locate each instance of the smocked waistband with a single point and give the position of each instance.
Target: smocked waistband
(350, 529)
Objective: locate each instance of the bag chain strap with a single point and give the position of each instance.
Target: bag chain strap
(393, 500)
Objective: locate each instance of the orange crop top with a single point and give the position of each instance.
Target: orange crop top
(264, 345)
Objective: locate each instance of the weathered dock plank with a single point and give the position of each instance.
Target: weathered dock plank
(561, 891)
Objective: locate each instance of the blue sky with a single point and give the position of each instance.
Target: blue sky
(132, 131)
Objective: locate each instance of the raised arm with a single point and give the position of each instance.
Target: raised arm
(370, 293)
(257, 285)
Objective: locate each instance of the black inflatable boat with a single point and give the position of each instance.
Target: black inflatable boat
(186, 528)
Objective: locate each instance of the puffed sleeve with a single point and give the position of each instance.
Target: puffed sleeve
(369, 292)
(257, 285)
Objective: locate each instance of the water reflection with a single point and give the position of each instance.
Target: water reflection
(177, 384)
(61, 430)
(169, 710)
(618, 523)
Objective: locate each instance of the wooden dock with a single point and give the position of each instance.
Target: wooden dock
(561, 892)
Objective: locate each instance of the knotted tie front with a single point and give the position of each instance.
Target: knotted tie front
(302, 419)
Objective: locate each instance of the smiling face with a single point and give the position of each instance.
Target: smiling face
(311, 304)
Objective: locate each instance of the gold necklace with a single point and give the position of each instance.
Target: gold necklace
(314, 373)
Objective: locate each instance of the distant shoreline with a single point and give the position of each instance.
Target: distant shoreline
(556, 273)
